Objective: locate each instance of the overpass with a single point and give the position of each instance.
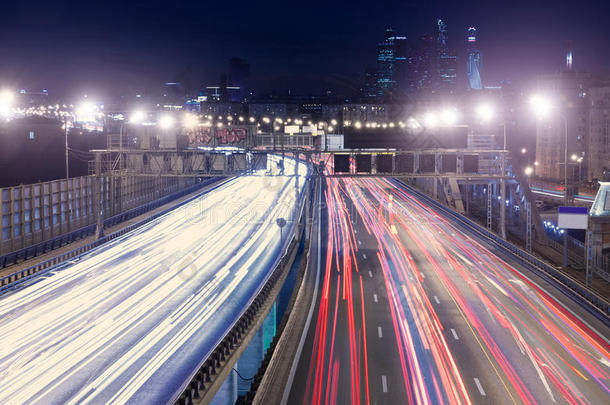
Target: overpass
(161, 282)
(125, 322)
(413, 303)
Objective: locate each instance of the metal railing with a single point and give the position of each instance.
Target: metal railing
(587, 299)
(200, 382)
(27, 273)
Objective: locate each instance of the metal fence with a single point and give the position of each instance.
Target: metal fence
(586, 298)
(35, 213)
(20, 276)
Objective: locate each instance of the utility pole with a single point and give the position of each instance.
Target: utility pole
(565, 192)
(98, 195)
(503, 189)
(66, 138)
(68, 202)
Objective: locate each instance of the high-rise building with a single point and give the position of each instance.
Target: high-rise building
(598, 148)
(239, 76)
(174, 94)
(568, 92)
(369, 88)
(425, 54)
(473, 66)
(392, 65)
(446, 60)
(385, 62)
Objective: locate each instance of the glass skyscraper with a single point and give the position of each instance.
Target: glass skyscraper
(473, 67)
(391, 64)
(446, 60)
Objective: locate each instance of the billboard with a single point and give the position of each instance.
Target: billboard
(212, 136)
(573, 217)
(292, 129)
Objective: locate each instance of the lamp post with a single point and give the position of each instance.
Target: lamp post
(486, 113)
(577, 160)
(279, 120)
(542, 108)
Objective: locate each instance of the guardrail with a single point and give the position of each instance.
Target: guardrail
(575, 257)
(208, 370)
(29, 272)
(572, 288)
(29, 252)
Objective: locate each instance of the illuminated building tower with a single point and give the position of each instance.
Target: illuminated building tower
(473, 67)
(426, 62)
(369, 89)
(446, 60)
(239, 76)
(385, 63)
(569, 57)
(392, 65)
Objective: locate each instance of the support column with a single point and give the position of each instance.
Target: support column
(98, 196)
(227, 393)
(467, 198)
(588, 258)
(252, 358)
(489, 205)
(503, 198)
(528, 226)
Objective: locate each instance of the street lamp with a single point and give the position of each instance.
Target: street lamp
(190, 121)
(449, 116)
(6, 102)
(542, 107)
(578, 160)
(166, 121)
(137, 117)
(430, 119)
(486, 112)
(528, 171)
(85, 112)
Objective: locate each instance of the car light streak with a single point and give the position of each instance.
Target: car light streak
(534, 348)
(133, 319)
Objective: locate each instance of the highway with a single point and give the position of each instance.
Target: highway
(131, 321)
(413, 310)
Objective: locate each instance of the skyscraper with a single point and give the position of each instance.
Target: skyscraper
(446, 60)
(369, 89)
(385, 62)
(391, 64)
(239, 75)
(426, 62)
(473, 67)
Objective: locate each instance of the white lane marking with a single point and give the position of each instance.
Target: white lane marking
(423, 275)
(454, 333)
(370, 274)
(436, 299)
(479, 386)
(379, 332)
(375, 297)
(359, 243)
(384, 383)
(364, 256)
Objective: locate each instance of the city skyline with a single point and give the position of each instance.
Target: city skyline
(131, 47)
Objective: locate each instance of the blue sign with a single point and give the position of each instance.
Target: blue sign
(574, 210)
(573, 217)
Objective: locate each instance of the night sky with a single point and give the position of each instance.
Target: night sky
(112, 46)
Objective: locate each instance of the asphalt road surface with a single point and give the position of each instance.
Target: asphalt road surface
(412, 310)
(132, 320)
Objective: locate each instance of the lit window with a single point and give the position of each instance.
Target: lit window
(31, 134)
